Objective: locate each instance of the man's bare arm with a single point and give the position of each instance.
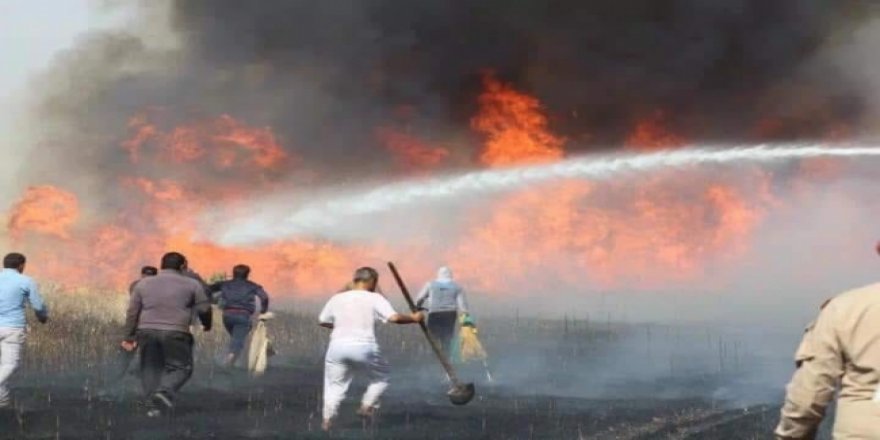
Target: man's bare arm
(410, 318)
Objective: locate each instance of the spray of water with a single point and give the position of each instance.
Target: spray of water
(325, 214)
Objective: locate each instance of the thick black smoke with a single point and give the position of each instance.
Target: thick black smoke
(325, 74)
(712, 65)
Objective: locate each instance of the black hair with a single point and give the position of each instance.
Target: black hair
(14, 260)
(173, 260)
(149, 271)
(365, 274)
(241, 272)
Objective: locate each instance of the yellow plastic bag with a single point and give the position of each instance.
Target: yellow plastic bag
(471, 348)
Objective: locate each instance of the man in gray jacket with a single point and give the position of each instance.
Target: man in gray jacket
(158, 322)
(443, 298)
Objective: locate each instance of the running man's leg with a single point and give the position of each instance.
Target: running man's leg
(152, 361)
(239, 327)
(337, 378)
(11, 342)
(442, 328)
(178, 349)
(228, 322)
(379, 371)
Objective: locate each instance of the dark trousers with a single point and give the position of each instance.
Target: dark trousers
(166, 360)
(442, 328)
(238, 325)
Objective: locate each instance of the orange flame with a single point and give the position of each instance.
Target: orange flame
(651, 134)
(608, 236)
(409, 152)
(226, 141)
(515, 127)
(823, 168)
(44, 210)
(158, 215)
(665, 231)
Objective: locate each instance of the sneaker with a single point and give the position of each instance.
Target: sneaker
(162, 399)
(152, 413)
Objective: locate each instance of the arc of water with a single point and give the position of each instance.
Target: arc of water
(324, 214)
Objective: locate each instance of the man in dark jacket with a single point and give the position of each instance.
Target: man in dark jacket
(238, 299)
(158, 321)
(146, 271)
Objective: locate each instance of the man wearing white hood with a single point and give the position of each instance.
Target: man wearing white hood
(443, 298)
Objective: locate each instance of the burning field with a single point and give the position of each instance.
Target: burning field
(133, 159)
(621, 236)
(660, 232)
(203, 120)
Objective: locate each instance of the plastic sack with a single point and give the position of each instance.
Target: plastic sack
(259, 348)
(467, 346)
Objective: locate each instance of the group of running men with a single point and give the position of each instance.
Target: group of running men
(163, 302)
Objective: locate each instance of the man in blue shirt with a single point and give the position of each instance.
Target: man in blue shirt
(16, 291)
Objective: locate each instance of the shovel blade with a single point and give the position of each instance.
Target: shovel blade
(461, 394)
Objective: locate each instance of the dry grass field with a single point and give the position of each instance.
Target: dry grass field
(66, 387)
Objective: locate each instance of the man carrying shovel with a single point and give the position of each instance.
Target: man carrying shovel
(352, 316)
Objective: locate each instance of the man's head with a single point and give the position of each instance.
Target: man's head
(173, 261)
(444, 274)
(365, 278)
(14, 261)
(241, 272)
(148, 271)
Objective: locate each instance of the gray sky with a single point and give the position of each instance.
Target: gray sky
(31, 32)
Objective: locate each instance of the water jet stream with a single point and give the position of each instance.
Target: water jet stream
(324, 215)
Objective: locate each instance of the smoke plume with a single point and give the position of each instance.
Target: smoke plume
(325, 75)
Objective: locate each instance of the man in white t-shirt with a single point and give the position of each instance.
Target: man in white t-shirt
(352, 316)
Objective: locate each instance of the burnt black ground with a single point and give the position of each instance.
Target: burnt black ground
(285, 404)
(555, 379)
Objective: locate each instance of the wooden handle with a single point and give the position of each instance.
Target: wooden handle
(433, 342)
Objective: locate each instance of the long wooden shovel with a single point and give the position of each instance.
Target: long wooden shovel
(460, 393)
